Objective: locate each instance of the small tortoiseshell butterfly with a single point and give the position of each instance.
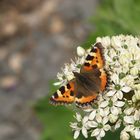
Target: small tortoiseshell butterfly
(87, 84)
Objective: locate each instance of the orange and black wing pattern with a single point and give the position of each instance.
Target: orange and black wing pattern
(85, 100)
(64, 95)
(95, 58)
(84, 94)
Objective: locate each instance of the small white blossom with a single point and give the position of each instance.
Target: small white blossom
(100, 125)
(133, 124)
(80, 51)
(113, 105)
(83, 128)
(118, 87)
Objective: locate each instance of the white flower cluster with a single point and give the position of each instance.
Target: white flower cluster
(119, 105)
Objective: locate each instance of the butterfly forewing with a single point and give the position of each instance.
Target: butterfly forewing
(64, 95)
(94, 59)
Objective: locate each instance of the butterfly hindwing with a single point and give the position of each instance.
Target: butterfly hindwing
(87, 87)
(84, 101)
(64, 95)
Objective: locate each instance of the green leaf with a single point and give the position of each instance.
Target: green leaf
(55, 119)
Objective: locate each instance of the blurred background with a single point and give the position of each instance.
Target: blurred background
(36, 38)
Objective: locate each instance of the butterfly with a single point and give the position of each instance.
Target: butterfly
(87, 84)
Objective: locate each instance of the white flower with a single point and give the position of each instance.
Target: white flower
(83, 128)
(124, 135)
(100, 127)
(116, 42)
(113, 118)
(133, 124)
(80, 51)
(104, 111)
(105, 41)
(113, 105)
(129, 80)
(118, 87)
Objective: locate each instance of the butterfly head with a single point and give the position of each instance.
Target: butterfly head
(76, 74)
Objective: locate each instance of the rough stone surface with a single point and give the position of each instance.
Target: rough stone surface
(36, 38)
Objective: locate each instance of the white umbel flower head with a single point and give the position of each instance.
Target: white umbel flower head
(119, 104)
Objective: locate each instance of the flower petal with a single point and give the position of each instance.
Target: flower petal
(118, 124)
(119, 103)
(78, 117)
(124, 135)
(126, 89)
(129, 128)
(114, 110)
(111, 93)
(115, 78)
(85, 119)
(99, 118)
(104, 104)
(129, 119)
(92, 124)
(80, 51)
(104, 111)
(76, 134)
(107, 127)
(73, 125)
(137, 133)
(92, 115)
(128, 111)
(57, 83)
(113, 118)
(119, 95)
(102, 133)
(137, 115)
(105, 120)
(84, 132)
(95, 132)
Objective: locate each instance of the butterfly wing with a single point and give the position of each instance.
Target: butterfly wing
(86, 92)
(64, 95)
(95, 60)
(93, 69)
(87, 87)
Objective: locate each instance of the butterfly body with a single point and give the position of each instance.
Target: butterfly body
(87, 84)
